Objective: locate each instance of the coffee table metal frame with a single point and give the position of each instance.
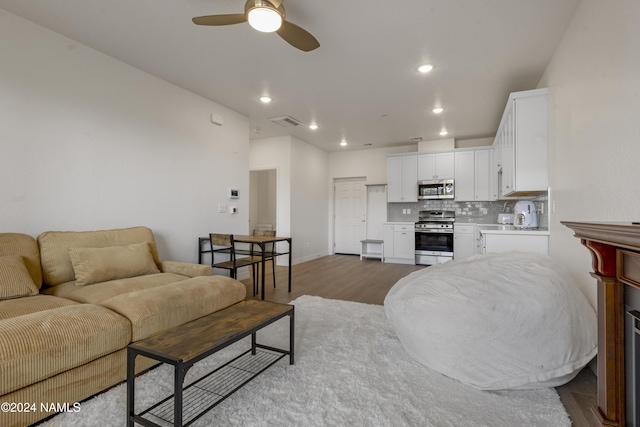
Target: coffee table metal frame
(216, 386)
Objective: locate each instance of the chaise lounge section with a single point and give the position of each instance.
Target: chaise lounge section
(71, 302)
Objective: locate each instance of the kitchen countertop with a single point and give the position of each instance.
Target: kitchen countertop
(510, 229)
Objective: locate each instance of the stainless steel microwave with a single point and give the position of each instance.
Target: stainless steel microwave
(436, 189)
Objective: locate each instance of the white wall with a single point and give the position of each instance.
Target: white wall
(594, 155)
(371, 164)
(310, 197)
(88, 142)
(472, 143)
(302, 194)
(442, 144)
(275, 153)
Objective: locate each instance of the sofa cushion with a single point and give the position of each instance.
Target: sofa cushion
(185, 268)
(15, 281)
(21, 306)
(39, 345)
(25, 246)
(95, 265)
(164, 307)
(54, 248)
(102, 291)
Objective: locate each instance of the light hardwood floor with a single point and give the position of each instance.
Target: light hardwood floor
(345, 277)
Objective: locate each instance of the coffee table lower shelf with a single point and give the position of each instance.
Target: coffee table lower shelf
(205, 393)
(185, 345)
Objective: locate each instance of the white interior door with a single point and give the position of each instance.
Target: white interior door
(350, 210)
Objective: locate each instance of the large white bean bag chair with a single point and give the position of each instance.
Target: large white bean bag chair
(495, 321)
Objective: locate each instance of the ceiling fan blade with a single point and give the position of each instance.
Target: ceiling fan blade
(235, 18)
(297, 37)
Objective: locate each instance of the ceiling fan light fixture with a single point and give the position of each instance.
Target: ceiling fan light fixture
(264, 17)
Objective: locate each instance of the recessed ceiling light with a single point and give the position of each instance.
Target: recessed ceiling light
(443, 132)
(313, 126)
(265, 99)
(425, 68)
(343, 143)
(438, 110)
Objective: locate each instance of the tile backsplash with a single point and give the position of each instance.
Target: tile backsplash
(469, 212)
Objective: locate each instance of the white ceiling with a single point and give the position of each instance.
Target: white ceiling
(360, 85)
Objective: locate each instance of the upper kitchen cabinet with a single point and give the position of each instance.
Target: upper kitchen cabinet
(522, 142)
(483, 183)
(473, 175)
(464, 177)
(435, 166)
(402, 178)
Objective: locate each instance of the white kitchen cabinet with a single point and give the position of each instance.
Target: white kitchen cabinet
(436, 166)
(522, 140)
(473, 176)
(464, 241)
(494, 190)
(464, 175)
(521, 241)
(497, 154)
(399, 243)
(402, 178)
(482, 174)
(507, 181)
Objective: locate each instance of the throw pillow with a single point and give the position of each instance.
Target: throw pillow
(15, 281)
(95, 265)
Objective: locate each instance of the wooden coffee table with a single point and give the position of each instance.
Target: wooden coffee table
(189, 343)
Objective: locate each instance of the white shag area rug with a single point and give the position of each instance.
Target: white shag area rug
(350, 370)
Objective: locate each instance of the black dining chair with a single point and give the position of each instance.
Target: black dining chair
(224, 244)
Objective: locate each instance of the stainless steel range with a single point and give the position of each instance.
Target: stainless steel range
(434, 237)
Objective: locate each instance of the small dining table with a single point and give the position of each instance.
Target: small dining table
(262, 242)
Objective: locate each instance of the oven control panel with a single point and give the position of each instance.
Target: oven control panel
(433, 226)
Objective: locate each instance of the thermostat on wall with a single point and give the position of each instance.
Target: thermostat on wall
(233, 193)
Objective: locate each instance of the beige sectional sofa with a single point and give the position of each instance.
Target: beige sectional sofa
(71, 302)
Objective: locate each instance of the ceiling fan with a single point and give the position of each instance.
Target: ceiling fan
(266, 16)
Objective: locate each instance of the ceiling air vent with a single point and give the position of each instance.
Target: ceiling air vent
(286, 121)
(415, 139)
